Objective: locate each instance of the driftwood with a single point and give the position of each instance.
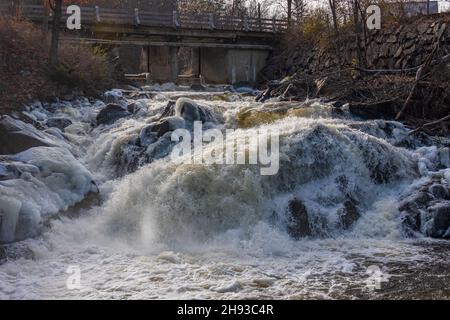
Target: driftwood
(386, 71)
(411, 93)
(419, 75)
(430, 124)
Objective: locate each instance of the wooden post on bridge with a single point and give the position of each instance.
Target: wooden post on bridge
(246, 25)
(137, 21)
(211, 21)
(176, 21)
(97, 14)
(259, 17)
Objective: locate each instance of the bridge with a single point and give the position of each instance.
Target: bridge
(224, 49)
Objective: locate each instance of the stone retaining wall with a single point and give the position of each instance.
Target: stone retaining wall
(393, 47)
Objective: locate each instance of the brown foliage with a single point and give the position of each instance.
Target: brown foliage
(24, 73)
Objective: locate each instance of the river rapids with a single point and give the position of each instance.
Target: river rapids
(160, 229)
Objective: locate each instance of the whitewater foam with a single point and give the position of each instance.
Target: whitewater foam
(169, 230)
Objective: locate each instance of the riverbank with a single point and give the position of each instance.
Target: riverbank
(26, 75)
(400, 72)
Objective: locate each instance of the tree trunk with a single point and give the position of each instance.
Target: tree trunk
(357, 23)
(57, 13)
(334, 15)
(45, 20)
(289, 12)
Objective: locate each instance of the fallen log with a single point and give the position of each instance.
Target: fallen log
(430, 124)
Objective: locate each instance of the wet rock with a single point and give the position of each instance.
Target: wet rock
(444, 157)
(411, 210)
(113, 96)
(147, 136)
(27, 118)
(161, 128)
(411, 223)
(198, 87)
(15, 252)
(132, 108)
(348, 215)
(427, 209)
(60, 123)
(169, 110)
(3, 256)
(385, 109)
(190, 111)
(439, 225)
(16, 136)
(439, 191)
(55, 132)
(160, 148)
(13, 170)
(111, 113)
(187, 109)
(415, 202)
(298, 223)
(342, 183)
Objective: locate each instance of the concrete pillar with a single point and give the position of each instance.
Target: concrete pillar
(214, 65)
(130, 58)
(195, 62)
(173, 62)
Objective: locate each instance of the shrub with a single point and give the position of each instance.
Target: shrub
(83, 68)
(22, 52)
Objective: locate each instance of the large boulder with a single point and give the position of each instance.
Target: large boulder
(298, 220)
(190, 111)
(44, 181)
(111, 113)
(168, 124)
(427, 209)
(439, 225)
(17, 136)
(160, 128)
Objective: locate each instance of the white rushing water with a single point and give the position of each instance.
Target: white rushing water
(169, 230)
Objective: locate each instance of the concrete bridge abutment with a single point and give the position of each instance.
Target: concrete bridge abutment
(214, 65)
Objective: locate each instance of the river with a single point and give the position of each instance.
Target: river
(160, 229)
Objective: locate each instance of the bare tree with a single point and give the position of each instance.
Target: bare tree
(292, 10)
(56, 7)
(300, 7)
(333, 9)
(289, 12)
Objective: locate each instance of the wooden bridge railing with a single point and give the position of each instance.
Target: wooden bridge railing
(96, 15)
